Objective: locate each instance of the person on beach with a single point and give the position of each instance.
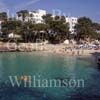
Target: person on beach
(78, 52)
(73, 51)
(82, 51)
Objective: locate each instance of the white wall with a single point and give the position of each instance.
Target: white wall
(36, 16)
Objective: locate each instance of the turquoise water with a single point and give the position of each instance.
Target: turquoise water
(49, 66)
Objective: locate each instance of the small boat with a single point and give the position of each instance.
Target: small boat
(98, 62)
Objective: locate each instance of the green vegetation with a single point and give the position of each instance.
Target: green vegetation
(55, 29)
(3, 16)
(85, 28)
(58, 28)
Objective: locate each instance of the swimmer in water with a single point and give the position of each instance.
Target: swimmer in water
(25, 78)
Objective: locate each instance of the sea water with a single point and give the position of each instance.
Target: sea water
(49, 66)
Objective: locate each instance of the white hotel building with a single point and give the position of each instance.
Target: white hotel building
(36, 17)
(72, 22)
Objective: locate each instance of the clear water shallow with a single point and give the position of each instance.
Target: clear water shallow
(49, 66)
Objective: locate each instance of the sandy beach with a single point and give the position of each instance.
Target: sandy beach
(72, 50)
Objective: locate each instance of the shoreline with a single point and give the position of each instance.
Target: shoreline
(67, 50)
